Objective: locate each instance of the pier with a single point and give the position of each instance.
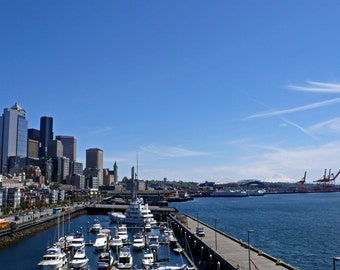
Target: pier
(220, 251)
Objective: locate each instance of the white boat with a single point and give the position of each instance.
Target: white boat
(54, 259)
(173, 267)
(105, 261)
(148, 259)
(77, 241)
(116, 242)
(229, 193)
(122, 232)
(256, 192)
(153, 242)
(125, 259)
(102, 239)
(79, 260)
(178, 248)
(138, 241)
(96, 226)
(137, 213)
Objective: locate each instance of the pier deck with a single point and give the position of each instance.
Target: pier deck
(230, 252)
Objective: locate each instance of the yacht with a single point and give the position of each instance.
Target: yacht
(229, 193)
(54, 259)
(122, 232)
(153, 242)
(116, 242)
(101, 239)
(80, 260)
(125, 259)
(77, 241)
(137, 213)
(96, 226)
(148, 259)
(105, 261)
(138, 241)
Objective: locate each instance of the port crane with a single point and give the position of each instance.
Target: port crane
(301, 183)
(327, 182)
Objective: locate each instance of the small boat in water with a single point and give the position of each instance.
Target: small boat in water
(138, 241)
(54, 259)
(105, 261)
(79, 260)
(125, 259)
(102, 239)
(122, 232)
(96, 226)
(116, 242)
(148, 259)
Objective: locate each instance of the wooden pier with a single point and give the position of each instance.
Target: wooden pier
(220, 251)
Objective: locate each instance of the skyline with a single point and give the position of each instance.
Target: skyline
(218, 91)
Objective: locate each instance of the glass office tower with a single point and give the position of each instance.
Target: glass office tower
(13, 136)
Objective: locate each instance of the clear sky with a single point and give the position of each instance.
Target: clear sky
(201, 90)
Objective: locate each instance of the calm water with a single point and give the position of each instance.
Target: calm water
(301, 229)
(27, 253)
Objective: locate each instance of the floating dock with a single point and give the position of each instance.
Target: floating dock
(220, 251)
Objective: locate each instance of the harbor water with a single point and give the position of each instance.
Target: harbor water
(301, 229)
(27, 253)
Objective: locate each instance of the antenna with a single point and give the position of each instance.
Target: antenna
(137, 167)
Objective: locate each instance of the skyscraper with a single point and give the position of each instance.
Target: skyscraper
(94, 160)
(13, 136)
(70, 146)
(46, 135)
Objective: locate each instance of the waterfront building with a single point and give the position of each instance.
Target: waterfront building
(77, 180)
(108, 177)
(94, 160)
(69, 146)
(46, 135)
(13, 137)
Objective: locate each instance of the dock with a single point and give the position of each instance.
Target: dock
(220, 251)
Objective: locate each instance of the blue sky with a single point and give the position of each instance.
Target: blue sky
(201, 90)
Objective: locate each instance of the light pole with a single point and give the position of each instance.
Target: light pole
(215, 236)
(249, 231)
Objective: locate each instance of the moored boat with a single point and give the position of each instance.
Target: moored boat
(125, 259)
(79, 260)
(229, 193)
(54, 259)
(105, 261)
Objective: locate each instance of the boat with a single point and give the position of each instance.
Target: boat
(116, 242)
(138, 241)
(173, 267)
(153, 242)
(79, 260)
(256, 192)
(105, 261)
(137, 213)
(125, 259)
(122, 232)
(177, 249)
(102, 239)
(229, 193)
(148, 259)
(77, 241)
(54, 259)
(96, 226)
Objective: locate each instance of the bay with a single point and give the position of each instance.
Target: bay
(301, 229)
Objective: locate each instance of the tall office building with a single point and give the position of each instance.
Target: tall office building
(55, 149)
(13, 137)
(33, 137)
(46, 135)
(94, 160)
(70, 146)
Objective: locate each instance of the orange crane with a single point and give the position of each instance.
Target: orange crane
(303, 180)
